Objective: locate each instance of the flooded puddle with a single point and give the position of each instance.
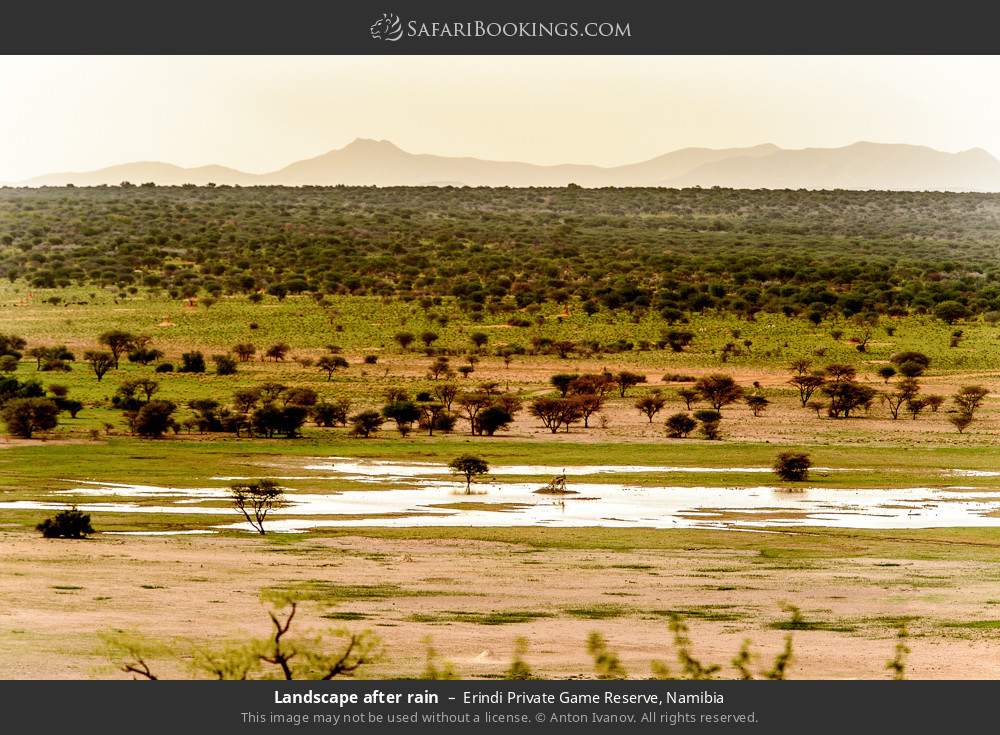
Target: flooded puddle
(426, 494)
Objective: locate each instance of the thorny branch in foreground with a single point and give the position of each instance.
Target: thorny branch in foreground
(294, 658)
(307, 658)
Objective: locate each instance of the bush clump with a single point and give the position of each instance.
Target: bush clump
(66, 524)
(792, 466)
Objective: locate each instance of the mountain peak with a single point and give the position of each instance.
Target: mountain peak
(370, 144)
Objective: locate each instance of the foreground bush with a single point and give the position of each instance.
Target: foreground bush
(283, 655)
(66, 524)
(343, 653)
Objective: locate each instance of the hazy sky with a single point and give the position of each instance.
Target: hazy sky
(260, 113)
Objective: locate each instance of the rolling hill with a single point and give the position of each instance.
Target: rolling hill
(366, 162)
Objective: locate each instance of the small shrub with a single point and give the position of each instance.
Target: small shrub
(961, 421)
(66, 524)
(365, 423)
(678, 378)
(192, 362)
(224, 364)
(155, 418)
(519, 670)
(757, 404)
(680, 425)
(792, 466)
(710, 420)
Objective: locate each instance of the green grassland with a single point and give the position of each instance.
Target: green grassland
(365, 325)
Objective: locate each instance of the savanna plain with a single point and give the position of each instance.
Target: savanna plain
(470, 432)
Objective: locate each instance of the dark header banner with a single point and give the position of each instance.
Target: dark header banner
(767, 707)
(511, 27)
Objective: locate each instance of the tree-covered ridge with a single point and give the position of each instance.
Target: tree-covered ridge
(675, 251)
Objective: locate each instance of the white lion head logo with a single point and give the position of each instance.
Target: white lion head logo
(387, 28)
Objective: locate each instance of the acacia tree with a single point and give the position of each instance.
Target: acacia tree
(967, 401)
(493, 419)
(256, 500)
(246, 399)
(800, 365)
(404, 413)
(589, 404)
(326, 413)
(844, 392)
(960, 421)
(846, 396)
(651, 404)
(969, 398)
(479, 340)
(25, 416)
(470, 467)
(710, 420)
(431, 414)
(100, 362)
(146, 386)
(271, 391)
(441, 366)
(688, 395)
(144, 355)
(330, 364)
(915, 405)
(428, 338)
(446, 393)
(626, 380)
(910, 364)
(678, 339)
(472, 403)
(598, 384)
(118, 342)
(906, 390)
(277, 352)
(244, 351)
(807, 384)
(366, 423)
(404, 339)
(718, 390)
(154, 419)
(934, 402)
(555, 413)
(563, 381)
(885, 372)
(757, 403)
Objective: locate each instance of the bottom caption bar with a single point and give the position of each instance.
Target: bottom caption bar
(536, 706)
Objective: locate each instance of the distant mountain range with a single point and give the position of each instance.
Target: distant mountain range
(367, 162)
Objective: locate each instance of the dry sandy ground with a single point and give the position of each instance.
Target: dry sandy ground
(56, 595)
